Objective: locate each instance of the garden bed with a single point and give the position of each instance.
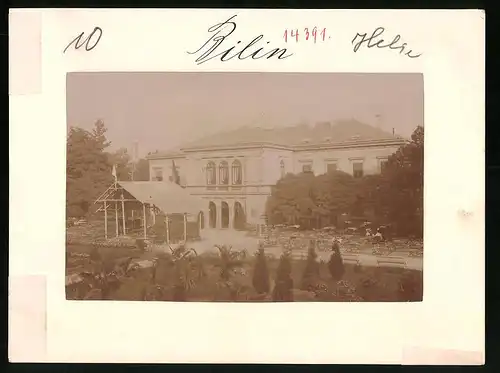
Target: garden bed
(365, 283)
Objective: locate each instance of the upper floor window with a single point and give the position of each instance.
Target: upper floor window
(307, 167)
(157, 174)
(282, 168)
(383, 164)
(331, 167)
(236, 172)
(357, 169)
(223, 173)
(211, 173)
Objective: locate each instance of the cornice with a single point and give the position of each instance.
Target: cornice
(291, 148)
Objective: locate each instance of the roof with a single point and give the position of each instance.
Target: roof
(293, 136)
(167, 196)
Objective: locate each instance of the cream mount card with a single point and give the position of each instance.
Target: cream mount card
(220, 188)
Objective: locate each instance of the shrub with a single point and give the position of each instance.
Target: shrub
(260, 279)
(410, 288)
(335, 264)
(311, 271)
(140, 243)
(282, 291)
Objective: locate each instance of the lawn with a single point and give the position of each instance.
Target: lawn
(203, 280)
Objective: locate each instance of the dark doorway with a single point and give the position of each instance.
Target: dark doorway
(224, 215)
(212, 215)
(201, 220)
(240, 219)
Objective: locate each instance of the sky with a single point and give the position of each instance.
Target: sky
(162, 111)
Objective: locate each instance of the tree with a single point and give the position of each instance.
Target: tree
(230, 263)
(88, 172)
(334, 194)
(283, 287)
(336, 264)
(310, 276)
(121, 159)
(311, 200)
(402, 182)
(141, 172)
(260, 279)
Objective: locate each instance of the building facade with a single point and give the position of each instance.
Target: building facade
(234, 174)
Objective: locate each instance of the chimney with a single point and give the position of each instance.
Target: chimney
(135, 151)
(393, 133)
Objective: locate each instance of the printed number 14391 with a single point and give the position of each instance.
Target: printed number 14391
(313, 34)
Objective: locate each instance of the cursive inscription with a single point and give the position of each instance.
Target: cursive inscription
(212, 47)
(78, 43)
(375, 40)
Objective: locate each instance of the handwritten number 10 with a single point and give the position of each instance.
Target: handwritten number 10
(78, 43)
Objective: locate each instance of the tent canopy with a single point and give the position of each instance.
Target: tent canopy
(167, 196)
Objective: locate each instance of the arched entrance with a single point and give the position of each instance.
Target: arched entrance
(240, 219)
(224, 215)
(201, 220)
(212, 215)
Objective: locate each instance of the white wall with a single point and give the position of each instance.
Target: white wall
(261, 169)
(370, 156)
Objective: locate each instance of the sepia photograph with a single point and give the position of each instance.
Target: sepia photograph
(244, 187)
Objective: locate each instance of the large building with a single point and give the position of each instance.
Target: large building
(234, 171)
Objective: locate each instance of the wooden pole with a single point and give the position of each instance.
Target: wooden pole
(154, 215)
(168, 230)
(123, 216)
(105, 220)
(185, 227)
(144, 217)
(116, 218)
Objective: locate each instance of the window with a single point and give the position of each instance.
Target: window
(211, 176)
(331, 167)
(357, 169)
(383, 164)
(236, 172)
(157, 174)
(223, 173)
(282, 168)
(307, 167)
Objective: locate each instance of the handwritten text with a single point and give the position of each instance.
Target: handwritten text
(306, 35)
(375, 40)
(224, 29)
(78, 43)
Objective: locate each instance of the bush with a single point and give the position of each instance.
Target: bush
(140, 243)
(260, 280)
(282, 291)
(335, 264)
(311, 271)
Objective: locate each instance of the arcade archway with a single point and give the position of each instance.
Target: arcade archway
(224, 215)
(201, 220)
(240, 219)
(212, 215)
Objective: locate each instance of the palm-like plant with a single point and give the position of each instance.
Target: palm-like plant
(230, 263)
(188, 269)
(105, 276)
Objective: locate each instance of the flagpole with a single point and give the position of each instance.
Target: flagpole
(113, 172)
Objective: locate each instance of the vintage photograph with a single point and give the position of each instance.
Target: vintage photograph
(244, 187)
